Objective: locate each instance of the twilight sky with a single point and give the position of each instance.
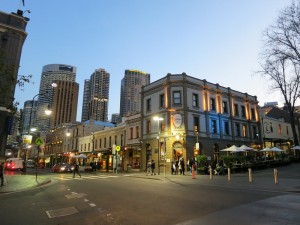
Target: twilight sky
(216, 40)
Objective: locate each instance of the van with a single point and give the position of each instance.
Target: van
(14, 164)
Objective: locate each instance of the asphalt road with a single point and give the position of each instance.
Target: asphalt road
(139, 199)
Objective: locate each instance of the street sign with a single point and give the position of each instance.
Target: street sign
(118, 148)
(39, 141)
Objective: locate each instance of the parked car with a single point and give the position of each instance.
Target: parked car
(30, 164)
(62, 167)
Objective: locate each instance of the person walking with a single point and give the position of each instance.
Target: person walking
(76, 169)
(1, 173)
(182, 166)
(153, 167)
(149, 167)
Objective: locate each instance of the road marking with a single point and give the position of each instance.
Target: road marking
(75, 195)
(61, 212)
(86, 177)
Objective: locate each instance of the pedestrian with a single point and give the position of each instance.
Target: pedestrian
(176, 167)
(173, 168)
(76, 169)
(1, 173)
(153, 167)
(182, 166)
(149, 167)
(221, 166)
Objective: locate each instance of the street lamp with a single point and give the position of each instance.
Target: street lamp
(156, 118)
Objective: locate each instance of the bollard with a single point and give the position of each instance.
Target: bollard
(229, 174)
(210, 173)
(250, 175)
(193, 173)
(276, 176)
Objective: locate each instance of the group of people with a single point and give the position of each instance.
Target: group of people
(178, 167)
(151, 167)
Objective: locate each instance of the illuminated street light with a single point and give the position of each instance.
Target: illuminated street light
(156, 118)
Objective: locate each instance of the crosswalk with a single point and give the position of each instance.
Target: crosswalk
(89, 177)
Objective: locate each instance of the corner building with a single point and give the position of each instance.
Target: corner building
(179, 111)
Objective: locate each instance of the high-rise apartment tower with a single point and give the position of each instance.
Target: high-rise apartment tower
(131, 86)
(96, 96)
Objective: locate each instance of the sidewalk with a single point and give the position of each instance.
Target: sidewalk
(288, 180)
(21, 182)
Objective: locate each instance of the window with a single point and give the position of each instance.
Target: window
(162, 101)
(116, 140)
(109, 141)
(105, 142)
(148, 126)
(137, 131)
(287, 130)
(271, 127)
(214, 126)
(279, 129)
(236, 110)
(176, 97)
(162, 125)
(100, 143)
(122, 140)
(195, 100)
(243, 111)
(196, 124)
(226, 128)
(244, 130)
(237, 130)
(96, 143)
(255, 133)
(213, 104)
(148, 102)
(225, 107)
(253, 114)
(131, 133)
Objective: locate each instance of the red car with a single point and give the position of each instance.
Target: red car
(62, 168)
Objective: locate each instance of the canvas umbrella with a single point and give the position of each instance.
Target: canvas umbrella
(275, 149)
(246, 148)
(267, 149)
(296, 147)
(233, 149)
(80, 156)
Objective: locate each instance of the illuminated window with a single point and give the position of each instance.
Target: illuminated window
(196, 124)
(244, 127)
(162, 125)
(279, 129)
(176, 97)
(195, 100)
(148, 126)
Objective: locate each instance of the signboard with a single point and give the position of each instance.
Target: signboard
(39, 141)
(27, 139)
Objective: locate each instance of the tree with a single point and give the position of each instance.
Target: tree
(280, 58)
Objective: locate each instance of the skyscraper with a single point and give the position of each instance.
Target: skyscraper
(64, 103)
(28, 115)
(131, 86)
(96, 96)
(50, 74)
(12, 37)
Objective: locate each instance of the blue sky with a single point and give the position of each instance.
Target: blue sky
(216, 40)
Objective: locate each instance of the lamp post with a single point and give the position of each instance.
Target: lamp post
(158, 119)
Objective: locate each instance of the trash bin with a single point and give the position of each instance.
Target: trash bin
(129, 168)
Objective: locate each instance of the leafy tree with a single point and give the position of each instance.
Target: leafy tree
(280, 58)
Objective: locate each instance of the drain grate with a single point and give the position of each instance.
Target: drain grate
(61, 212)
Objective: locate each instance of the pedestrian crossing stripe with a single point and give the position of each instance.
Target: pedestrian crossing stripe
(85, 178)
